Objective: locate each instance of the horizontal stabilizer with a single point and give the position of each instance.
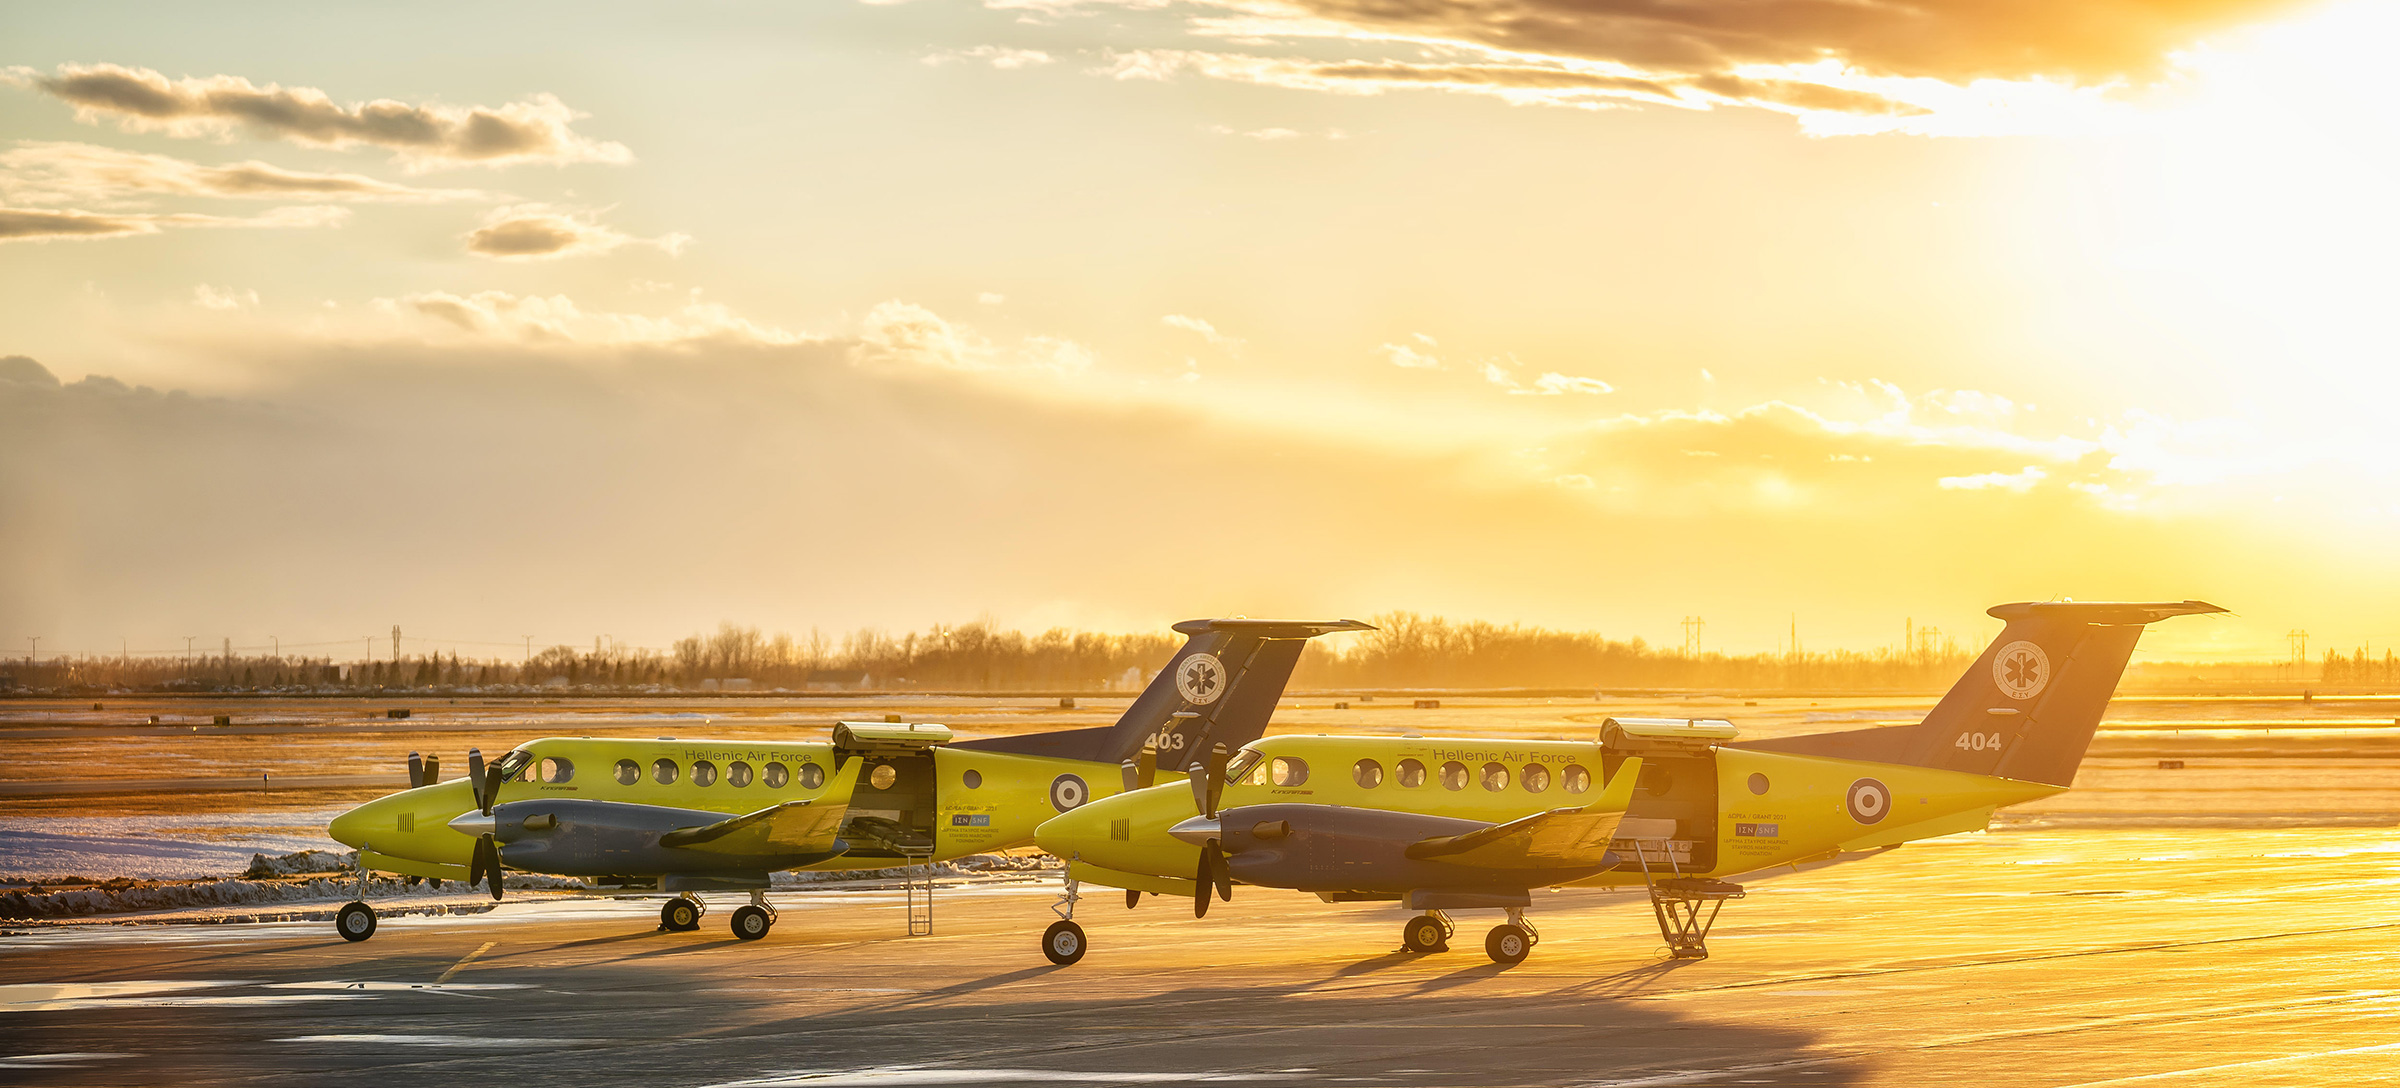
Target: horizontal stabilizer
(793, 827)
(1557, 839)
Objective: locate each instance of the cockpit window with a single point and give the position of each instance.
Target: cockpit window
(1241, 764)
(513, 764)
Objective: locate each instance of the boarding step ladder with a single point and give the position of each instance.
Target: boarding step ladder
(920, 875)
(1685, 906)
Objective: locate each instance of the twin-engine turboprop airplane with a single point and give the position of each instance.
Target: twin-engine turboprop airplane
(703, 815)
(1449, 824)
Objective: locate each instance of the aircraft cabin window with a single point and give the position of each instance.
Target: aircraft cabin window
(664, 771)
(556, 769)
(1758, 784)
(628, 772)
(811, 776)
(1368, 774)
(1575, 779)
(883, 776)
(1454, 775)
(1240, 764)
(1258, 774)
(973, 779)
(513, 764)
(1287, 770)
(704, 773)
(1495, 776)
(737, 774)
(1537, 778)
(1412, 774)
(776, 775)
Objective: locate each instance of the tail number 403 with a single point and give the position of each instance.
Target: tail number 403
(1165, 742)
(1977, 742)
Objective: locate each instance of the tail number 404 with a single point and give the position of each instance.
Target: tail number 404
(1977, 742)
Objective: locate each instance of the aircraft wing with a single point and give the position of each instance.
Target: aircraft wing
(793, 827)
(1561, 838)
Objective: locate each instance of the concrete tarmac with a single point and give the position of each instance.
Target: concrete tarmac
(2042, 957)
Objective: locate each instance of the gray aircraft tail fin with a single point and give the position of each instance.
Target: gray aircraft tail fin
(1217, 691)
(2026, 709)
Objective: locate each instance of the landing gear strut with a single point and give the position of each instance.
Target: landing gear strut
(356, 920)
(1063, 942)
(1427, 933)
(681, 914)
(752, 922)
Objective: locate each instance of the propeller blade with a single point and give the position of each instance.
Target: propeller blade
(487, 862)
(1214, 870)
(475, 776)
(1132, 899)
(433, 769)
(1200, 793)
(1217, 758)
(1201, 887)
(416, 770)
(491, 788)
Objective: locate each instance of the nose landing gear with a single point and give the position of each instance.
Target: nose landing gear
(1063, 943)
(356, 920)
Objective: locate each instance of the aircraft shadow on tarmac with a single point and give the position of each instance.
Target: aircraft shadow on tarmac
(1425, 1035)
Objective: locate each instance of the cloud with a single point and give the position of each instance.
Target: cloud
(1262, 134)
(907, 335)
(422, 136)
(211, 298)
(2021, 480)
(998, 56)
(533, 232)
(1935, 67)
(1955, 41)
(556, 320)
(1552, 383)
(1206, 331)
(1413, 355)
(45, 173)
(41, 225)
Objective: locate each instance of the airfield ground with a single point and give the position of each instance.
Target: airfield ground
(2233, 922)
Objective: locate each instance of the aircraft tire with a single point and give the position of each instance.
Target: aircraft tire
(752, 922)
(1508, 944)
(1423, 935)
(355, 922)
(679, 916)
(1064, 943)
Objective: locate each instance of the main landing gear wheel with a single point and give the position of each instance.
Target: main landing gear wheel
(752, 922)
(1063, 942)
(355, 922)
(1508, 944)
(679, 916)
(1425, 935)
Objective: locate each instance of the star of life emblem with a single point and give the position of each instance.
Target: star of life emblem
(1200, 679)
(2021, 669)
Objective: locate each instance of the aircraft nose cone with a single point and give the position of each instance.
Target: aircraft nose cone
(1076, 830)
(475, 823)
(1197, 830)
(349, 828)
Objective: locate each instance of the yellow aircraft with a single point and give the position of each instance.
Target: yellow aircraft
(1674, 805)
(702, 815)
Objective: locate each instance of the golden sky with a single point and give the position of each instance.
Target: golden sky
(575, 320)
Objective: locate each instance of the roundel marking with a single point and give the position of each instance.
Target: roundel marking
(1869, 801)
(2021, 669)
(1200, 679)
(1068, 791)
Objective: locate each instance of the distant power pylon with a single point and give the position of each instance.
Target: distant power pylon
(395, 642)
(2299, 645)
(1691, 635)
